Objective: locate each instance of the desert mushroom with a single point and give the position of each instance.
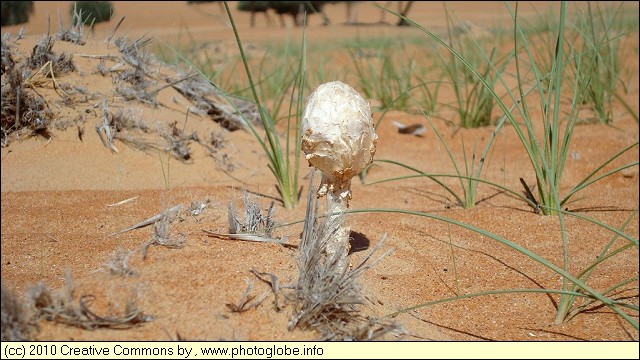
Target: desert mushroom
(339, 139)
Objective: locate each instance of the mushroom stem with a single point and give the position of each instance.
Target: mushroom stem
(337, 248)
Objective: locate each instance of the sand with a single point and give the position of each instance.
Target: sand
(56, 193)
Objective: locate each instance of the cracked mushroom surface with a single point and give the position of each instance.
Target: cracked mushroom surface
(338, 136)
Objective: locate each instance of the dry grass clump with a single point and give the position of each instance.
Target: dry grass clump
(162, 235)
(216, 139)
(192, 86)
(19, 320)
(114, 124)
(17, 324)
(327, 295)
(214, 144)
(119, 265)
(252, 225)
(22, 107)
(42, 54)
(179, 142)
(75, 32)
(8, 62)
(197, 207)
(205, 96)
(125, 126)
(135, 76)
(253, 222)
(65, 307)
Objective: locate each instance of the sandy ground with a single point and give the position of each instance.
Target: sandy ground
(56, 218)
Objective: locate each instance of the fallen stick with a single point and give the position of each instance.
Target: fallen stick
(249, 237)
(102, 57)
(124, 201)
(149, 221)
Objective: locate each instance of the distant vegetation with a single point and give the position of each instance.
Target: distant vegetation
(16, 12)
(293, 8)
(92, 12)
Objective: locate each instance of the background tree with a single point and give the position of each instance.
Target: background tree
(292, 8)
(15, 12)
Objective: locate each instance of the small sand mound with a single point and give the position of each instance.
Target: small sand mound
(62, 81)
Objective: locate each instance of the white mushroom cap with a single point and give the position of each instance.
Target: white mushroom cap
(338, 136)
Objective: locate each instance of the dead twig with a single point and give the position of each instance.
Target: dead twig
(250, 237)
(150, 220)
(113, 32)
(32, 82)
(124, 201)
(273, 282)
(101, 57)
(247, 302)
(105, 128)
